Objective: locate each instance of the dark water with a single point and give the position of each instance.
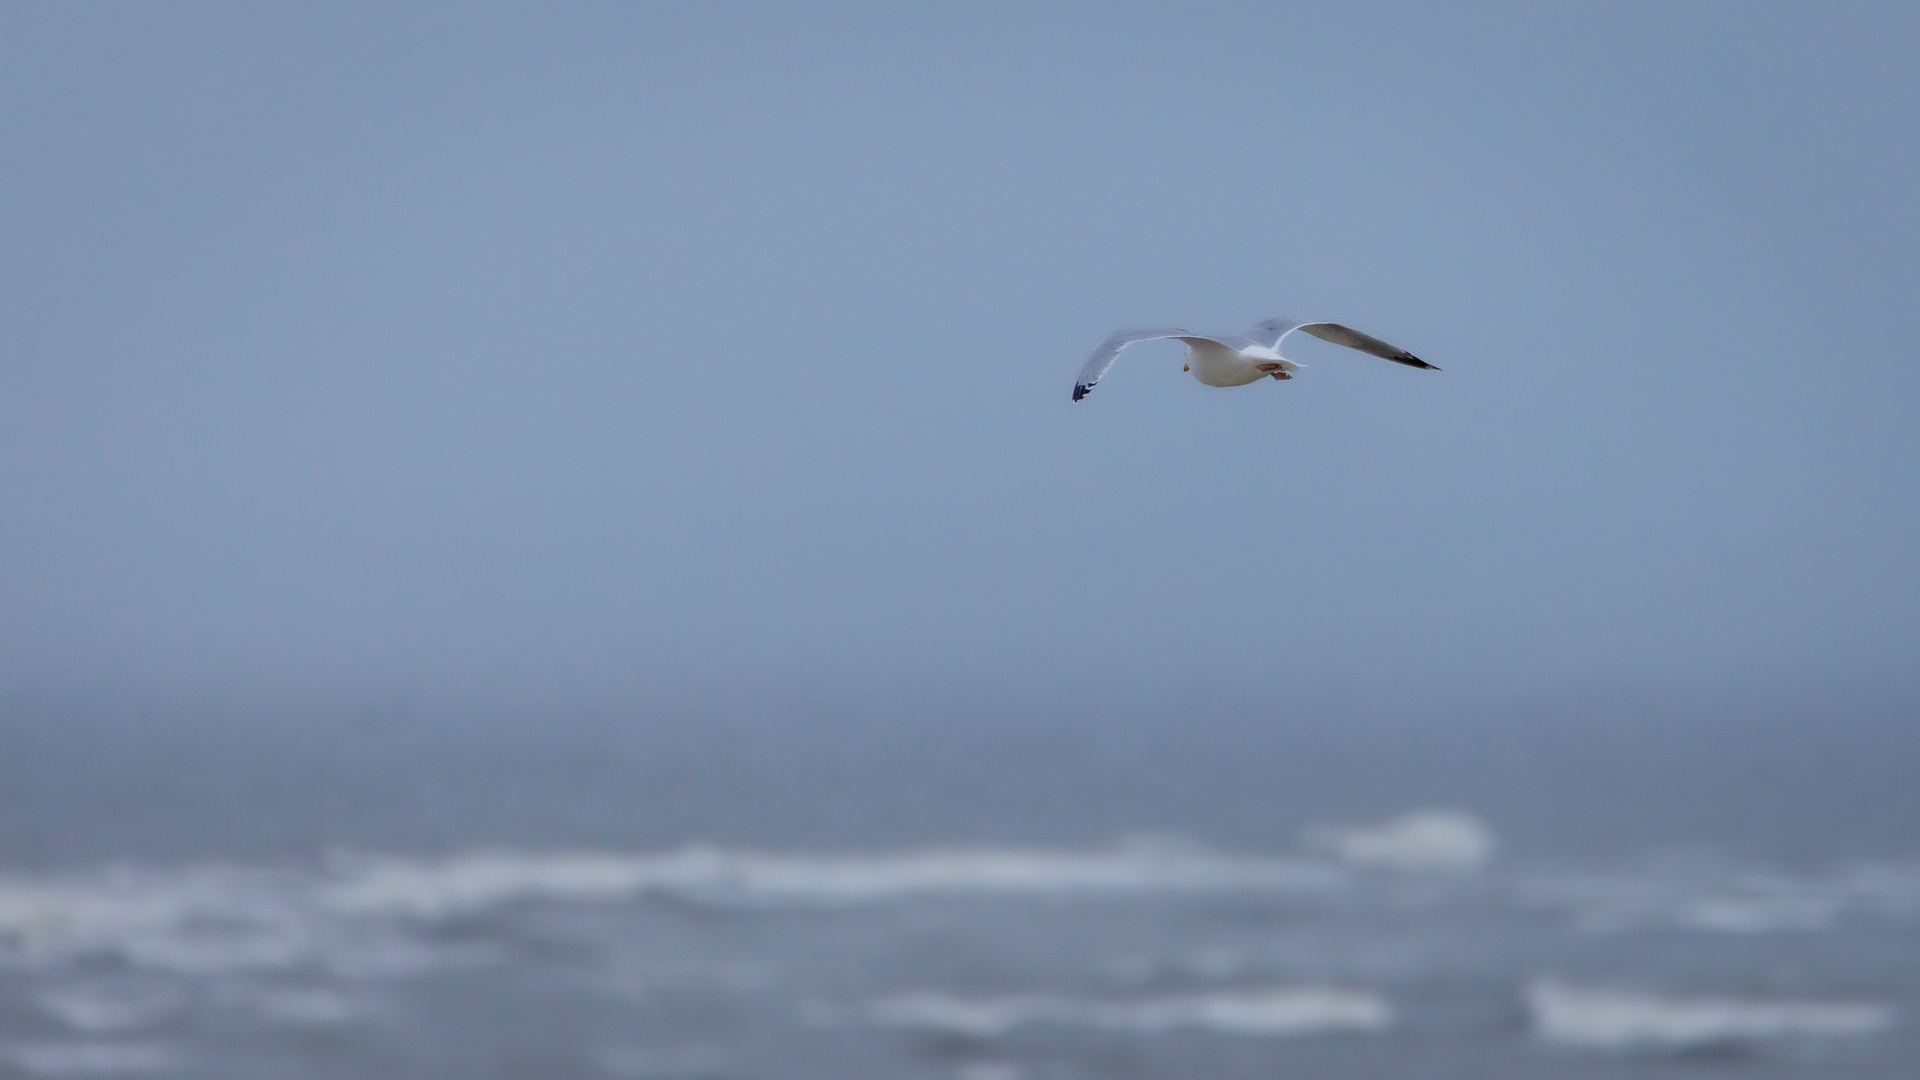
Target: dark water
(973, 889)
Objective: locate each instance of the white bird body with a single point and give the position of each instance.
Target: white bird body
(1217, 364)
(1239, 359)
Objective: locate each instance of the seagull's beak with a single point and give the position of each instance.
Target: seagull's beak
(1186, 367)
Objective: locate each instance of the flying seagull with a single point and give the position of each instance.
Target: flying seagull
(1238, 359)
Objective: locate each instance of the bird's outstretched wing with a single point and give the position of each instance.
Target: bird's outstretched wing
(1271, 331)
(1102, 358)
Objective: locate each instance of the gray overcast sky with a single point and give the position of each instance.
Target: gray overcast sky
(644, 347)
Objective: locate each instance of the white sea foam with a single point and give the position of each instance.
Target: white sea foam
(199, 921)
(467, 882)
(1718, 899)
(88, 1058)
(1617, 1020)
(349, 917)
(35, 916)
(195, 920)
(1271, 1012)
(1425, 840)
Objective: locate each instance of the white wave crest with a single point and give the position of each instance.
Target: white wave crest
(1615, 1020)
(467, 882)
(343, 918)
(35, 914)
(1706, 896)
(194, 921)
(1270, 1013)
(1425, 840)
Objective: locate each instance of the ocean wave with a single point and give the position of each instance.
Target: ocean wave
(200, 921)
(1272, 1012)
(1727, 900)
(193, 920)
(352, 917)
(437, 887)
(1425, 840)
(1617, 1020)
(347, 917)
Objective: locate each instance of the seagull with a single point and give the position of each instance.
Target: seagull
(1239, 359)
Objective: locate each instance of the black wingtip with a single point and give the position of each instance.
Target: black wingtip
(1080, 391)
(1413, 361)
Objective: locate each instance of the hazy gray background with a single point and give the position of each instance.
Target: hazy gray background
(616, 349)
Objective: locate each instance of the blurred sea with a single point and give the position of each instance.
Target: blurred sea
(967, 889)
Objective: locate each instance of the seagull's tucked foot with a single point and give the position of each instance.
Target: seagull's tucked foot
(1186, 367)
(1281, 375)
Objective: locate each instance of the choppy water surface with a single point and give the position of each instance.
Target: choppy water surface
(1418, 943)
(1149, 958)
